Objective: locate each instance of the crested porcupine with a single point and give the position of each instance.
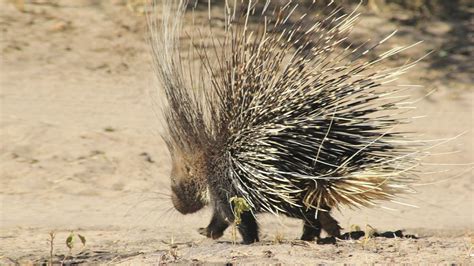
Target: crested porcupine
(280, 110)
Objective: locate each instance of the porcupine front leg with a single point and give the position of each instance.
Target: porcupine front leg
(223, 216)
(216, 227)
(248, 228)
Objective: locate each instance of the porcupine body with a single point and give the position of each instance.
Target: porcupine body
(280, 112)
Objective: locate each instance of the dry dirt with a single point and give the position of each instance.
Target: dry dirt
(80, 150)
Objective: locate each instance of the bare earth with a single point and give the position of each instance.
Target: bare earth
(80, 152)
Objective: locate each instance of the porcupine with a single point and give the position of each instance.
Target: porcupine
(280, 112)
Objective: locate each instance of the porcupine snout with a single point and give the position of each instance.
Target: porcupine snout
(187, 186)
(187, 197)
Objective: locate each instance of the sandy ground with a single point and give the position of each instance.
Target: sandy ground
(80, 152)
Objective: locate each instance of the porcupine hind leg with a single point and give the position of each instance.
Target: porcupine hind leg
(311, 230)
(328, 223)
(311, 227)
(313, 223)
(216, 227)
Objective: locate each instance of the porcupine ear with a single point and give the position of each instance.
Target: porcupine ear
(307, 115)
(180, 104)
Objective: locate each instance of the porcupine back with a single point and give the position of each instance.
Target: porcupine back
(298, 117)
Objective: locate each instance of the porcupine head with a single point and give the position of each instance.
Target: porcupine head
(189, 132)
(188, 181)
(180, 112)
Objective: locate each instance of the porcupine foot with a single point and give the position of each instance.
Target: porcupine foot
(312, 227)
(311, 230)
(216, 227)
(248, 227)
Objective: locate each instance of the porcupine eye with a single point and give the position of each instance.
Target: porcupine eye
(188, 170)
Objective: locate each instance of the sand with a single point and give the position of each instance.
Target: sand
(80, 152)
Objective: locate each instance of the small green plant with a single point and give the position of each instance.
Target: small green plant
(239, 206)
(70, 243)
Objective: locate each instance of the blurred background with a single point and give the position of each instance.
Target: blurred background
(80, 148)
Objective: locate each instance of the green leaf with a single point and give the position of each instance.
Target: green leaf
(83, 239)
(240, 206)
(70, 240)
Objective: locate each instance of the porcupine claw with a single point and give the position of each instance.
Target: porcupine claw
(216, 227)
(205, 231)
(248, 228)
